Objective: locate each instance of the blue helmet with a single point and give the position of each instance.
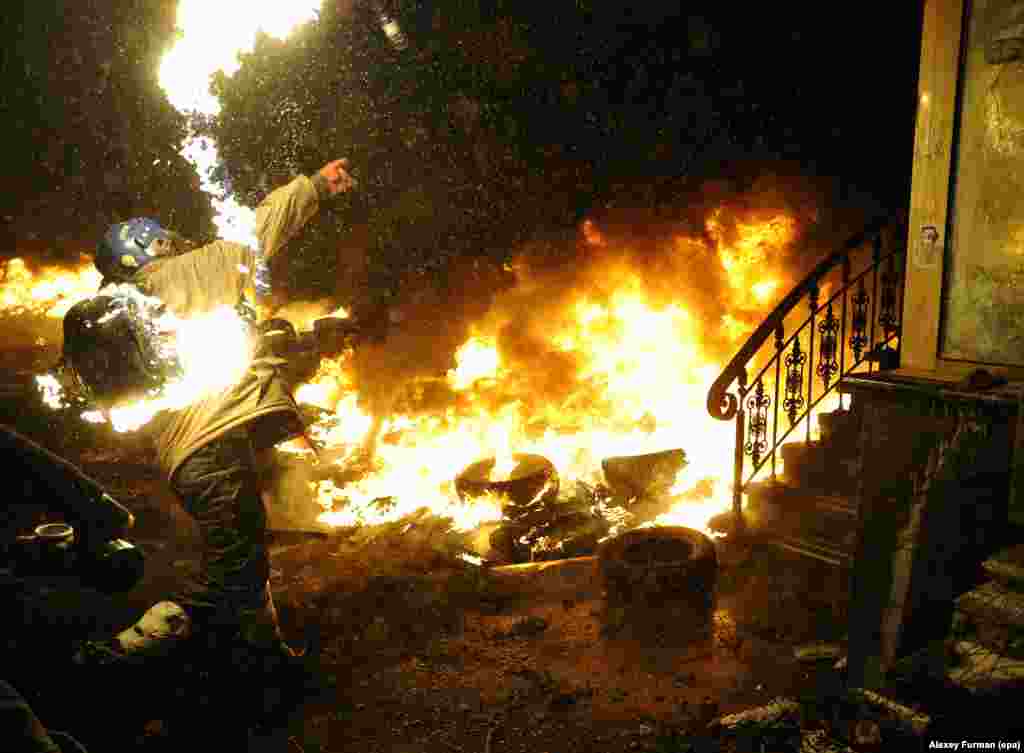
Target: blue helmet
(123, 250)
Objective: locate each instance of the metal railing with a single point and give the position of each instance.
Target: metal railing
(856, 329)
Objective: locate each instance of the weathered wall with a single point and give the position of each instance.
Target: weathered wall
(984, 297)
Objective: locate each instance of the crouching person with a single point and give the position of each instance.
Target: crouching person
(209, 449)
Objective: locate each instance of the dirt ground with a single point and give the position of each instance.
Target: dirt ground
(420, 651)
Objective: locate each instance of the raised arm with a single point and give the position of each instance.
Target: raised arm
(285, 210)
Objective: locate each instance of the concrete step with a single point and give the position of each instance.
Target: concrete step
(992, 616)
(827, 466)
(993, 602)
(982, 671)
(820, 526)
(786, 506)
(1007, 567)
(821, 549)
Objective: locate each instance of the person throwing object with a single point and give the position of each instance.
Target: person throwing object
(208, 449)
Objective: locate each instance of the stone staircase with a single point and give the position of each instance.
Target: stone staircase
(987, 639)
(809, 508)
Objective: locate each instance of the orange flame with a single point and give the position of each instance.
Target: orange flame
(637, 383)
(618, 370)
(48, 291)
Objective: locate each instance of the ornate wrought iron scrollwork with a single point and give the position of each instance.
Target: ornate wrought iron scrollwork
(888, 317)
(794, 399)
(757, 423)
(828, 355)
(859, 321)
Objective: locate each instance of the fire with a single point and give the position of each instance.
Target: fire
(746, 248)
(639, 386)
(212, 35)
(618, 371)
(211, 38)
(49, 291)
(477, 359)
(213, 351)
(637, 378)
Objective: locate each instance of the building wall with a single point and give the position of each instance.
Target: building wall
(983, 303)
(964, 304)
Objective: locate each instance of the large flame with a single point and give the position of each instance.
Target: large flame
(638, 384)
(636, 371)
(211, 37)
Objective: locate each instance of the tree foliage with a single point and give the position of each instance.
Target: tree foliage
(498, 121)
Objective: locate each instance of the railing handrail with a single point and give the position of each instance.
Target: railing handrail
(724, 405)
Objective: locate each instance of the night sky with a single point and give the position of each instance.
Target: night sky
(500, 122)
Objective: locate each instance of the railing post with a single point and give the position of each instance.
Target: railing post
(737, 478)
(842, 328)
(779, 335)
(813, 299)
(859, 314)
(876, 258)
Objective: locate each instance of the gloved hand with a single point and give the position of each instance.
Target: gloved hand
(337, 177)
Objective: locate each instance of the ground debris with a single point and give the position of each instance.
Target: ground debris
(813, 652)
(980, 670)
(527, 627)
(819, 741)
(891, 712)
(781, 709)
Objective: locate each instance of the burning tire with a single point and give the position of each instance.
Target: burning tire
(527, 496)
(661, 567)
(532, 484)
(639, 476)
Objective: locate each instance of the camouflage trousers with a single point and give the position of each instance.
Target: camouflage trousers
(219, 487)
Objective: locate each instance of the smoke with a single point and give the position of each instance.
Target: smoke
(434, 317)
(302, 314)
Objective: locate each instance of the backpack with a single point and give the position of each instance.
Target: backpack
(116, 349)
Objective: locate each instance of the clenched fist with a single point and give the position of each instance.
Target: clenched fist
(337, 177)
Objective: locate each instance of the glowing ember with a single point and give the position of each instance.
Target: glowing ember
(49, 291)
